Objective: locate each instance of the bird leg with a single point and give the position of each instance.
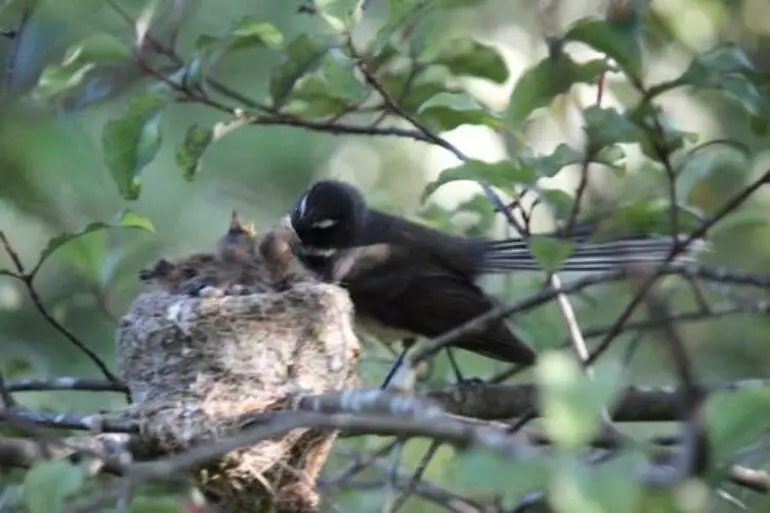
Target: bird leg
(462, 381)
(406, 345)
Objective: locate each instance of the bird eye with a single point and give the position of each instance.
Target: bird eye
(324, 223)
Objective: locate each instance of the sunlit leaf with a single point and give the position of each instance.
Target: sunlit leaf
(55, 80)
(504, 174)
(551, 77)
(132, 141)
(570, 401)
(619, 40)
(303, 55)
(125, 219)
(471, 58)
(446, 111)
(48, 483)
(188, 156)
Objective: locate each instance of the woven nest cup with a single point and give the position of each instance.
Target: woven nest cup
(193, 365)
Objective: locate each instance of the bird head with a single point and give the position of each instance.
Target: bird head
(328, 216)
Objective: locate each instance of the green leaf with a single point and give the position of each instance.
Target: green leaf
(400, 14)
(559, 201)
(469, 57)
(447, 111)
(646, 216)
(504, 174)
(570, 401)
(736, 419)
(125, 219)
(14, 368)
(252, 31)
(550, 253)
(303, 55)
(86, 254)
(549, 165)
(142, 504)
(312, 98)
(55, 80)
(339, 72)
(617, 40)
(552, 76)
(341, 15)
(581, 487)
(188, 156)
(79, 60)
(608, 126)
(701, 163)
(100, 49)
(132, 141)
(49, 483)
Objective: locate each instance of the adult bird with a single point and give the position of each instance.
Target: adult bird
(406, 279)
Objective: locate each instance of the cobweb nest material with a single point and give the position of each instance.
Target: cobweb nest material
(195, 364)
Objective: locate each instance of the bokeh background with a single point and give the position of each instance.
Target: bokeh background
(53, 179)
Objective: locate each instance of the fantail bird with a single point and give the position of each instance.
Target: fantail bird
(406, 279)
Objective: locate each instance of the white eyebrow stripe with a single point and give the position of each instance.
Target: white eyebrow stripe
(324, 223)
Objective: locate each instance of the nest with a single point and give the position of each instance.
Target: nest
(194, 365)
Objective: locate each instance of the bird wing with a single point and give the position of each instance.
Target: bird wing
(424, 298)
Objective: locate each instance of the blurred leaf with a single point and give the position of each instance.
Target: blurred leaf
(79, 60)
(646, 216)
(483, 472)
(341, 15)
(401, 13)
(699, 165)
(559, 201)
(741, 220)
(607, 126)
(132, 141)
(315, 99)
(504, 174)
(303, 55)
(549, 165)
(188, 156)
(446, 111)
(580, 487)
(100, 49)
(728, 69)
(49, 483)
(55, 80)
(468, 57)
(14, 368)
(338, 70)
(619, 40)
(252, 31)
(86, 253)
(125, 219)
(736, 419)
(143, 504)
(570, 401)
(552, 76)
(550, 253)
(661, 134)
